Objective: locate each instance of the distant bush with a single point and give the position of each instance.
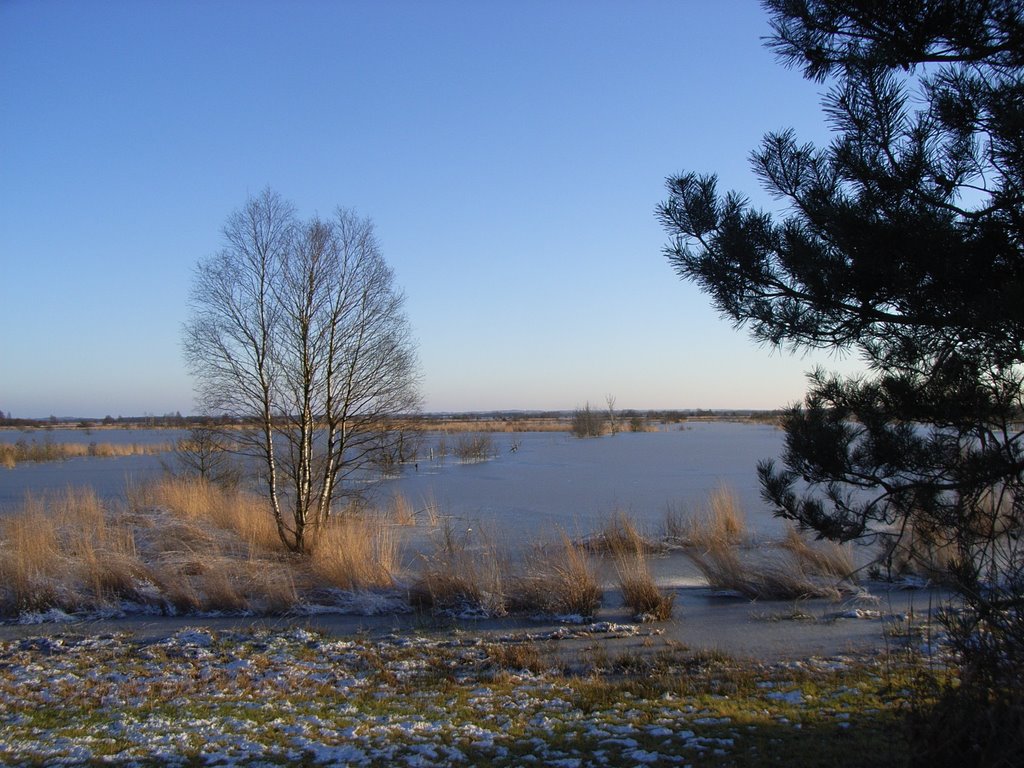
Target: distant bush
(205, 454)
(478, 446)
(586, 422)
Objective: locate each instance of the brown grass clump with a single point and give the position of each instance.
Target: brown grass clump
(920, 551)
(639, 591)
(203, 504)
(515, 657)
(763, 577)
(793, 570)
(179, 545)
(60, 551)
(823, 558)
(465, 574)
(621, 534)
(629, 549)
(357, 551)
(722, 521)
(559, 581)
(29, 562)
(403, 513)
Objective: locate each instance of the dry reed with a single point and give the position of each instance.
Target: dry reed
(558, 581)
(61, 552)
(821, 558)
(203, 503)
(721, 522)
(766, 578)
(793, 570)
(466, 573)
(403, 513)
(640, 593)
(357, 552)
(12, 454)
(179, 545)
(621, 533)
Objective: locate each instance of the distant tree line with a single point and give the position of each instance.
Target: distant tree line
(168, 420)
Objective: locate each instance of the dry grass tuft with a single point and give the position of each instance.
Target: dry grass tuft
(920, 551)
(357, 551)
(722, 521)
(639, 591)
(465, 574)
(621, 534)
(29, 563)
(794, 569)
(181, 545)
(515, 657)
(821, 558)
(60, 551)
(206, 504)
(402, 512)
(559, 581)
(761, 577)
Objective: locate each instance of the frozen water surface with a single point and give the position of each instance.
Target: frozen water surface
(551, 482)
(554, 481)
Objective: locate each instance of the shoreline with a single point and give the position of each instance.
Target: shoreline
(763, 631)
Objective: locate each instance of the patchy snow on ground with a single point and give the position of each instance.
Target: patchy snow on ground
(295, 696)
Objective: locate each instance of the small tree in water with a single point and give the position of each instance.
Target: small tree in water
(207, 454)
(587, 422)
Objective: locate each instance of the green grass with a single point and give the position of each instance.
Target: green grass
(298, 697)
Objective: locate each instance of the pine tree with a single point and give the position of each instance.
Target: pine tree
(902, 242)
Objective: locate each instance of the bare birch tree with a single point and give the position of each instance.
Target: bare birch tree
(297, 328)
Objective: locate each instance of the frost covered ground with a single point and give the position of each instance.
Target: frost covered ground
(259, 697)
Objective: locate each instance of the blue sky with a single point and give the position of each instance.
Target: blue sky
(511, 155)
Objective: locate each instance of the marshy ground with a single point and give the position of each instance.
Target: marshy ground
(260, 696)
(188, 637)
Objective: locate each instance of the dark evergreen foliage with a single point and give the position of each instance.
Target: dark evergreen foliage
(903, 242)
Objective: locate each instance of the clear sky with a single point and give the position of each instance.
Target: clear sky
(511, 155)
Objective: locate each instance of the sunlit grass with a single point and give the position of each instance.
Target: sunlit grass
(12, 454)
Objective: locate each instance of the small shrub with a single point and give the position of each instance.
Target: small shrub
(587, 422)
(475, 447)
(206, 454)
